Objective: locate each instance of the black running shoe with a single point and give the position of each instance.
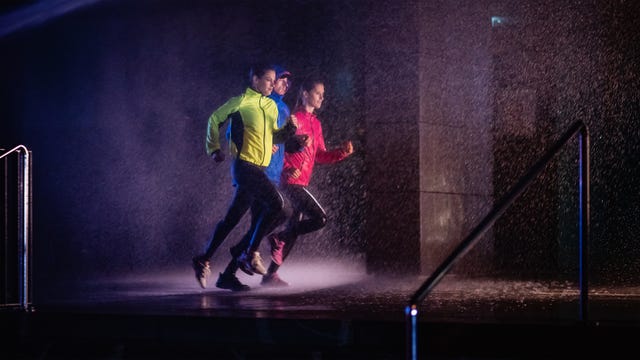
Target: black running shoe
(231, 282)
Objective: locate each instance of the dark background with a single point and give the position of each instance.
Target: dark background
(113, 99)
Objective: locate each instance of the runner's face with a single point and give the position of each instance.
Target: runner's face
(264, 84)
(281, 86)
(315, 97)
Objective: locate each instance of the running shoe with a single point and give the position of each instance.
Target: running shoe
(256, 264)
(201, 267)
(251, 265)
(231, 282)
(244, 263)
(273, 280)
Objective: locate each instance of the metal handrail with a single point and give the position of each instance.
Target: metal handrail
(411, 311)
(26, 186)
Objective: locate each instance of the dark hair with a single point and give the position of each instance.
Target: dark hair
(307, 85)
(259, 69)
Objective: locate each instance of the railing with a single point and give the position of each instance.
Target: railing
(16, 228)
(411, 311)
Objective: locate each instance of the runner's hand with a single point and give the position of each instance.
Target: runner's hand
(306, 139)
(218, 156)
(347, 147)
(292, 173)
(293, 120)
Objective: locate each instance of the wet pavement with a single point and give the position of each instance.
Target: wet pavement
(335, 291)
(328, 311)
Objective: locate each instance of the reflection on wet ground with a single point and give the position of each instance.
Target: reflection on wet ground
(330, 311)
(337, 291)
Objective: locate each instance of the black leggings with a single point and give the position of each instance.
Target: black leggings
(253, 188)
(244, 243)
(308, 216)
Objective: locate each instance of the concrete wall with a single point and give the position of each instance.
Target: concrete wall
(429, 150)
(392, 163)
(455, 130)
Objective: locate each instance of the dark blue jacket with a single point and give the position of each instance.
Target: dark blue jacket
(274, 170)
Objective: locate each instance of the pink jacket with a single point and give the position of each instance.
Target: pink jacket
(304, 160)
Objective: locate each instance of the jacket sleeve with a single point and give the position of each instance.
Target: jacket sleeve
(330, 156)
(324, 156)
(216, 120)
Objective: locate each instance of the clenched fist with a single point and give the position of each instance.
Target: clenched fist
(293, 120)
(347, 147)
(218, 156)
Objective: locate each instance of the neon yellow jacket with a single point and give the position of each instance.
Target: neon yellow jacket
(252, 127)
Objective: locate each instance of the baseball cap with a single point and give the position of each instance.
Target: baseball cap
(281, 72)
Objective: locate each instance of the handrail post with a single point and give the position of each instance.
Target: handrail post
(585, 220)
(25, 219)
(25, 298)
(411, 316)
